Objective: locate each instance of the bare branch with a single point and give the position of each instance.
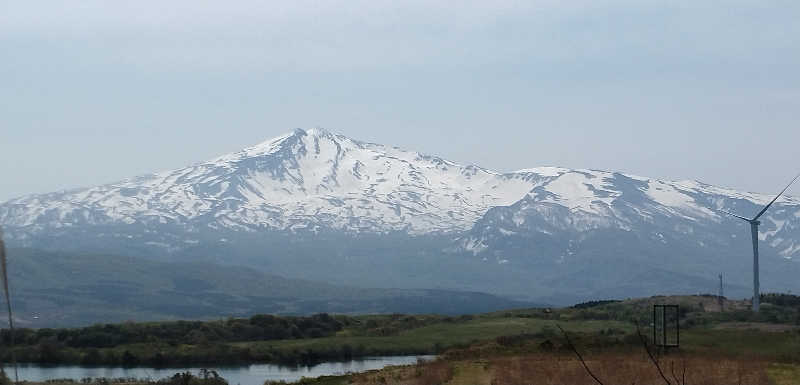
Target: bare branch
(683, 364)
(672, 371)
(647, 349)
(571, 346)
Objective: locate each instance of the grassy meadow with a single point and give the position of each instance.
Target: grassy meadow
(733, 346)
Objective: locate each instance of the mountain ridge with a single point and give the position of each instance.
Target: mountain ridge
(313, 204)
(321, 181)
(273, 173)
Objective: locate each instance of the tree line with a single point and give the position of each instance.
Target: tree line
(256, 328)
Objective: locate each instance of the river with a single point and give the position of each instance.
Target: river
(254, 374)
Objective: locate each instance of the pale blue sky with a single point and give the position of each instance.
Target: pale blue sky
(96, 91)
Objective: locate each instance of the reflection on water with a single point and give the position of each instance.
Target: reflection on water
(243, 375)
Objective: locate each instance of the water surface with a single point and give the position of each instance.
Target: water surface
(254, 374)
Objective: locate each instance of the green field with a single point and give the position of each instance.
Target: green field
(435, 338)
(766, 344)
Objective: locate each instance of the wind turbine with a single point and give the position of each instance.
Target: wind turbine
(754, 232)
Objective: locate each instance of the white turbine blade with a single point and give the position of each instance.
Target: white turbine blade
(734, 215)
(776, 198)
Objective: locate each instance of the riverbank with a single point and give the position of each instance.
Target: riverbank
(516, 369)
(254, 374)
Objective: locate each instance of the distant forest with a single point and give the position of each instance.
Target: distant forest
(53, 345)
(256, 328)
(230, 341)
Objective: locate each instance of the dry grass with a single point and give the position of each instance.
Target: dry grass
(626, 369)
(558, 369)
(784, 374)
(423, 373)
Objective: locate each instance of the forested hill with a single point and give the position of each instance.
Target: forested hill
(70, 289)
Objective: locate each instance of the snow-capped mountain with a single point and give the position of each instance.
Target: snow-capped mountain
(568, 204)
(318, 205)
(302, 180)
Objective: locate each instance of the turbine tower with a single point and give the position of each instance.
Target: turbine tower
(754, 232)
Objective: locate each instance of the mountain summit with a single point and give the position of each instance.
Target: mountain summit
(301, 180)
(313, 198)
(314, 179)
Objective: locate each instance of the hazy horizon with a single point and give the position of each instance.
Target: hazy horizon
(97, 92)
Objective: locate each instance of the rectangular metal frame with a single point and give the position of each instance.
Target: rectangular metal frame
(663, 342)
